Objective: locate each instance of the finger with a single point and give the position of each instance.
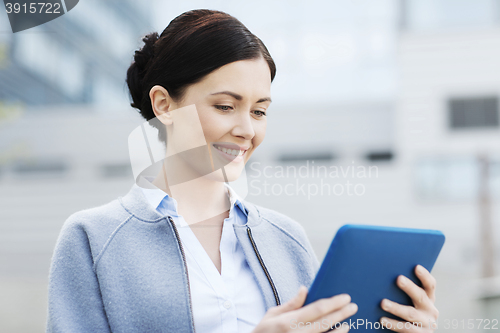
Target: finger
(417, 294)
(408, 313)
(400, 326)
(292, 304)
(334, 320)
(428, 282)
(322, 307)
(343, 329)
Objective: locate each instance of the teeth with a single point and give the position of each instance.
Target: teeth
(233, 152)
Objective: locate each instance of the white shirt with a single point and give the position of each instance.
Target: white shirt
(227, 302)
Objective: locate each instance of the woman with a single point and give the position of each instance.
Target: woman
(181, 252)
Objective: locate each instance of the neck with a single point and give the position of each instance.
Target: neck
(199, 199)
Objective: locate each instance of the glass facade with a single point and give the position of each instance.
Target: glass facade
(79, 58)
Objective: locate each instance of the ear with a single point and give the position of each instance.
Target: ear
(161, 103)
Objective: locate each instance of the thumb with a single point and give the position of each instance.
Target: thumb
(293, 303)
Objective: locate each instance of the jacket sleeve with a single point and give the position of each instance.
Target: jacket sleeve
(75, 303)
(309, 248)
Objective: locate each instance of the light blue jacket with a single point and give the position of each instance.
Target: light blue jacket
(120, 267)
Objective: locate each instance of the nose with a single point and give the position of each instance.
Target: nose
(243, 126)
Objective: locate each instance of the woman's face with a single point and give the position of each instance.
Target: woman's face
(231, 103)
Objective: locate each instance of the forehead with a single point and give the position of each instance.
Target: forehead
(249, 78)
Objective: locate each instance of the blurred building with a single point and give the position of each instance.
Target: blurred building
(448, 117)
(448, 130)
(78, 58)
(419, 100)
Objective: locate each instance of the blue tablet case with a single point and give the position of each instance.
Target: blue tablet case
(364, 261)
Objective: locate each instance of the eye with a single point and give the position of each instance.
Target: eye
(224, 108)
(259, 113)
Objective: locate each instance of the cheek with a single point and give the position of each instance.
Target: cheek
(187, 131)
(213, 126)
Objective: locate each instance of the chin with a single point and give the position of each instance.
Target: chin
(233, 172)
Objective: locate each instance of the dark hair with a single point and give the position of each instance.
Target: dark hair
(193, 45)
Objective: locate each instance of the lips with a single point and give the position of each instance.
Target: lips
(234, 152)
(231, 151)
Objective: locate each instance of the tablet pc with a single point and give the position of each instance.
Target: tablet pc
(364, 262)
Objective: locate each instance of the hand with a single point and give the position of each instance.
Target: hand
(423, 312)
(319, 316)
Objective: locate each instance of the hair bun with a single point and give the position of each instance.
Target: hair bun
(137, 70)
(146, 53)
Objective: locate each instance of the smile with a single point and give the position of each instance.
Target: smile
(234, 152)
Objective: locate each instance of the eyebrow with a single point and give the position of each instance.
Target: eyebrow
(239, 97)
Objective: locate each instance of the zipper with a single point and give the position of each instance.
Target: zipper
(275, 292)
(185, 266)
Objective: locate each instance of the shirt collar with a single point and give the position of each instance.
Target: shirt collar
(235, 199)
(155, 196)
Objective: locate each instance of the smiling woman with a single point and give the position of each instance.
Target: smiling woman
(183, 252)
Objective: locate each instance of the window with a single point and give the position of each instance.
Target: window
(40, 168)
(445, 179)
(442, 178)
(379, 156)
(116, 170)
(298, 157)
(432, 15)
(467, 113)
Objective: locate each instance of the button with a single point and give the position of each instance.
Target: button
(227, 304)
